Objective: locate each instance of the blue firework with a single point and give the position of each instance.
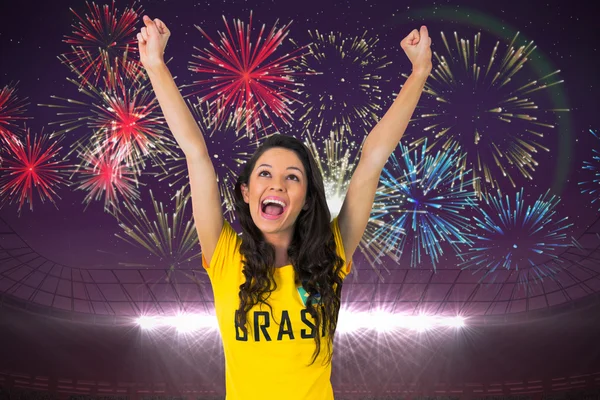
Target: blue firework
(426, 198)
(513, 236)
(373, 244)
(591, 187)
(337, 161)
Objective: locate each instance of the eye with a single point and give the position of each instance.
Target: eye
(293, 176)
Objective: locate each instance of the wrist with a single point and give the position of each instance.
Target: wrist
(155, 67)
(422, 71)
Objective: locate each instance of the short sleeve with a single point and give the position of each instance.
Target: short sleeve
(335, 227)
(226, 254)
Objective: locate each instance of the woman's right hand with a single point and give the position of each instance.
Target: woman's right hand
(152, 40)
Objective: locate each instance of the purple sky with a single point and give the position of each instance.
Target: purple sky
(31, 39)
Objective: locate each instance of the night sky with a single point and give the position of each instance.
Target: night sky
(566, 34)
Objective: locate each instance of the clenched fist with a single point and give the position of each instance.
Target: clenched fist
(152, 40)
(417, 46)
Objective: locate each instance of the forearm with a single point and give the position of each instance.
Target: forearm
(177, 113)
(385, 136)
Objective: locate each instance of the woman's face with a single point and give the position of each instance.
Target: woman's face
(278, 174)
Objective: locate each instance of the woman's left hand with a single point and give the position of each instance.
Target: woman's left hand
(417, 46)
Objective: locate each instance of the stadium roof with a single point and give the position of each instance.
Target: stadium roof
(35, 282)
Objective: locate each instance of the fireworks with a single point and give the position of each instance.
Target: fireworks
(100, 35)
(174, 240)
(373, 243)
(123, 115)
(485, 110)
(244, 79)
(130, 120)
(511, 236)
(591, 187)
(336, 167)
(426, 200)
(342, 93)
(11, 110)
(336, 163)
(30, 165)
(103, 174)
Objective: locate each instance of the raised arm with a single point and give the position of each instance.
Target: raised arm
(381, 142)
(206, 201)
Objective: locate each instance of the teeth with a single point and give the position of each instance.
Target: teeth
(281, 203)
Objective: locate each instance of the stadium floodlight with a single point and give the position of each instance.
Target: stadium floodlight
(457, 322)
(147, 322)
(348, 322)
(184, 323)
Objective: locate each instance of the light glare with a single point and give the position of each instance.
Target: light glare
(348, 322)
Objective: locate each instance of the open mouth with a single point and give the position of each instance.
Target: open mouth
(272, 211)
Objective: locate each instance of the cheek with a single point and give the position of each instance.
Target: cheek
(254, 196)
(300, 196)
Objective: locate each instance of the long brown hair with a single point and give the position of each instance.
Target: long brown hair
(312, 251)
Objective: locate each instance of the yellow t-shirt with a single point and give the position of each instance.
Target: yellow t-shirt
(269, 363)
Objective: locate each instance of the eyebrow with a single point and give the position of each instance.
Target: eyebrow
(267, 165)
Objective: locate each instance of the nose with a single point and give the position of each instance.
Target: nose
(277, 185)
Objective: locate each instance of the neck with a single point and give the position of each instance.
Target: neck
(281, 242)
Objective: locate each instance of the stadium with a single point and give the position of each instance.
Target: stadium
(73, 333)
(478, 273)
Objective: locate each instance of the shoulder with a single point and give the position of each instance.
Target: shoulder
(226, 254)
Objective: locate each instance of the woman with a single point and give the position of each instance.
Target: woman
(277, 287)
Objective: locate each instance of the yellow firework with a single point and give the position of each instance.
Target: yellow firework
(341, 92)
(169, 235)
(337, 162)
(489, 109)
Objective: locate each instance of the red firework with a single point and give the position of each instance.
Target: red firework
(11, 110)
(103, 173)
(98, 35)
(32, 165)
(129, 119)
(239, 80)
(123, 115)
